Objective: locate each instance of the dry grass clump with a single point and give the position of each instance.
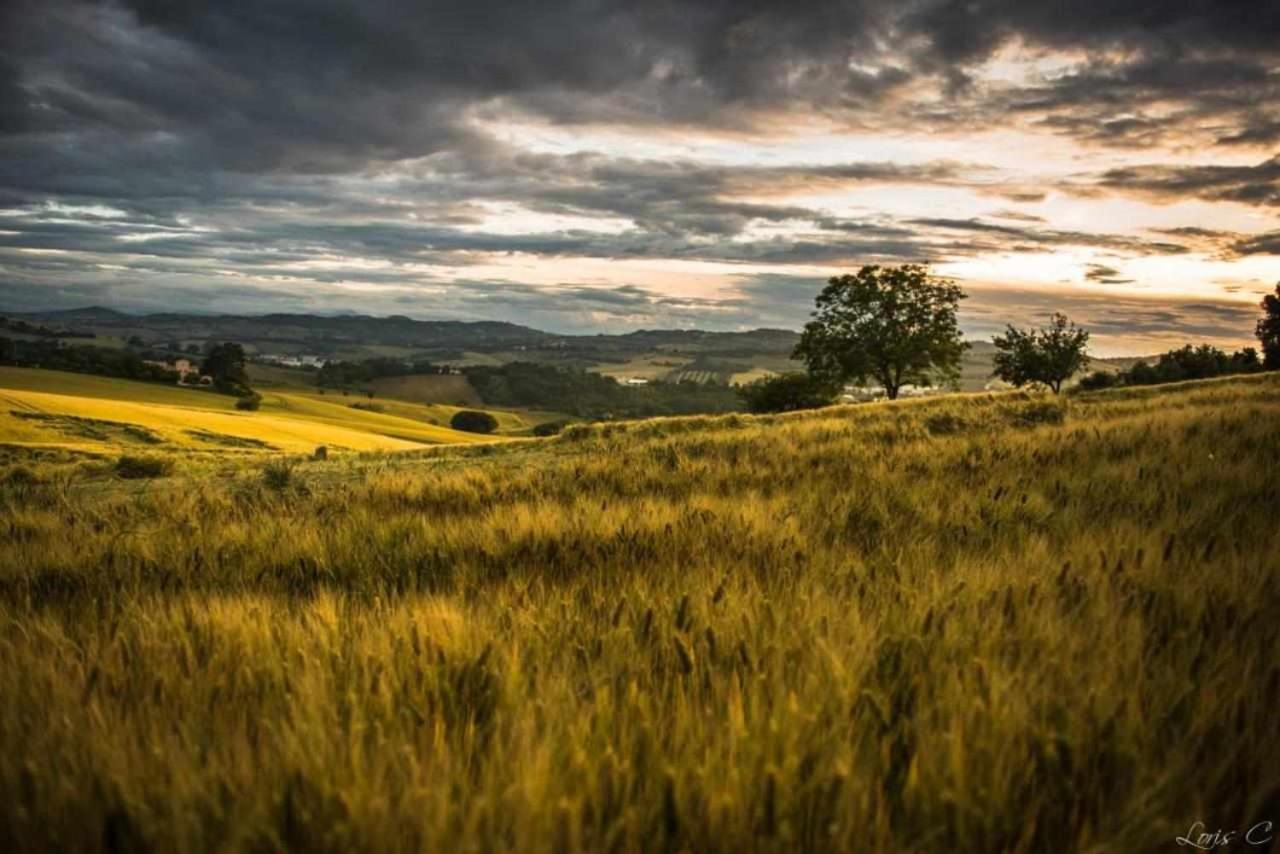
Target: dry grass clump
(990, 622)
(136, 467)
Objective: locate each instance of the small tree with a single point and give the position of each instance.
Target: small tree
(1245, 360)
(1048, 356)
(1099, 380)
(896, 325)
(786, 393)
(473, 421)
(1268, 330)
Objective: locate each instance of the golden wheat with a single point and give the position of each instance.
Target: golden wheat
(990, 622)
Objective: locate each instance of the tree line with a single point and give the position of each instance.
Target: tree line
(898, 326)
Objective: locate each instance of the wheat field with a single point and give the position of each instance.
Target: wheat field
(95, 415)
(977, 623)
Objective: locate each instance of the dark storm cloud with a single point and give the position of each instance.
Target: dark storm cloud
(1028, 238)
(1258, 244)
(1111, 319)
(1251, 185)
(266, 141)
(318, 86)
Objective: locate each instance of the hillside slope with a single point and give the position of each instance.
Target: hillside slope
(52, 409)
(982, 623)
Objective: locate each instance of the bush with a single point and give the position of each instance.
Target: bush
(549, 428)
(786, 393)
(1099, 380)
(249, 403)
(278, 475)
(473, 421)
(20, 476)
(138, 467)
(320, 453)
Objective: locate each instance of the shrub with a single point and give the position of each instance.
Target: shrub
(140, 467)
(249, 403)
(473, 421)
(1099, 380)
(320, 453)
(578, 432)
(278, 475)
(786, 393)
(549, 428)
(20, 476)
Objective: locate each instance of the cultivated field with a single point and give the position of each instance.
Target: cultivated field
(989, 622)
(101, 415)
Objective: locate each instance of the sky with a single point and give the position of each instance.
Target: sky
(609, 165)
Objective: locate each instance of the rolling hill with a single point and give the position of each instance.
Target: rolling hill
(52, 409)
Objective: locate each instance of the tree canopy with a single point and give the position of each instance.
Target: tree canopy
(893, 325)
(225, 363)
(1048, 356)
(1268, 330)
(473, 421)
(786, 393)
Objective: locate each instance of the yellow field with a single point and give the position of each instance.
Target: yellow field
(53, 409)
(745, 377)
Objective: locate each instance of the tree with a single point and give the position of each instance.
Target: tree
(1099, 380)
(895, 325)
(8, 351)
(1246, 360)
(226, 364)
(1268, 330)
(1048, 356)
(473, 421)
(786, 393)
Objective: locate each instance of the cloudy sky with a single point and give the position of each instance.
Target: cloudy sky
(606, 165)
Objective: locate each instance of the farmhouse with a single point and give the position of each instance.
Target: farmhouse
(188, 372)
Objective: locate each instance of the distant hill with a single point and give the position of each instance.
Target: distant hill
(358, 336)
(296, 333)
(645, 355)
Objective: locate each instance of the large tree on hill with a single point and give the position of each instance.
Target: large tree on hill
(1048, 356)
(893, 325)
(1268, 330)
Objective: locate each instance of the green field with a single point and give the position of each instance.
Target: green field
(997, 622)
(52, 409)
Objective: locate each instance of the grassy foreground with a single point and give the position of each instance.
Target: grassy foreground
(977, 623)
